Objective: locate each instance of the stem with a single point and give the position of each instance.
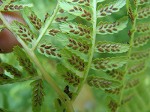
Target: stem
(92, 50)
(130, 49)
(46, 26)
(46, 76)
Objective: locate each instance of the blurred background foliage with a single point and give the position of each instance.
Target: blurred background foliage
(17, 97)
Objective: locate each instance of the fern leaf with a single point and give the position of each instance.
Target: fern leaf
(37, 95)
(79, 2)
(71, 60)
(106, 64)
(9, 68)
(35, 21)
(68, 92)
(141, 40)
(117, 74)
(140, 55)
(132, 83)
(111, 47)
(78, 45)
(69, 76)
(63, 17)
(48, 50)
(24, 61)
(115, 91)
(142, 2)
(127, 99)
(47, 15)
(113, 105)
(104, 28)
(143, 28)
(59, 105)
(110, 8)
(53, 32)
(136, 69)
(101, 83)
(24, 32)
(77, 10)
(76, 29)
(144, 12)
(11, 5)
(2, 75)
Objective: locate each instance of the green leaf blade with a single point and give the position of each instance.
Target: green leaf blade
(77, 10)
(106, 64)
(110, 8)
(111, 47)
(104, 28)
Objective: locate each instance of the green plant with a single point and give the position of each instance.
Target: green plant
(79, 40)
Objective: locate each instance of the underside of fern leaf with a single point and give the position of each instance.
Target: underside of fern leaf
(104, 44)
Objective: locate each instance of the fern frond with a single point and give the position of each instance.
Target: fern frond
(127, 99)
(72, 60)
(34, 19)
(132, 83)
(59, 105)
(113, 105)
(141, 40)
(9, 68)
(110, 8)
(76, 29)
(53, 31)
(77, 10)
(144, 12)
(78, 45)
(104, 28)
(111, 47)
(117, 74)
(80, 2)
(69, 76)
(13, 5)
(140, 55)
(114, 91)
(23, 32)
(138, 68)
(3, 77)
(68, 92)
(24, 61)
(106, 64)
(143, 28)
(101, 83)
(37, 95)
(142, 2)
(63, 17)
(49, 50)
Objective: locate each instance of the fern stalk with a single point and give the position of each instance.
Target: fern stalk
(92, 50)
(46, 76)
(46, 26)
(131, 45)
